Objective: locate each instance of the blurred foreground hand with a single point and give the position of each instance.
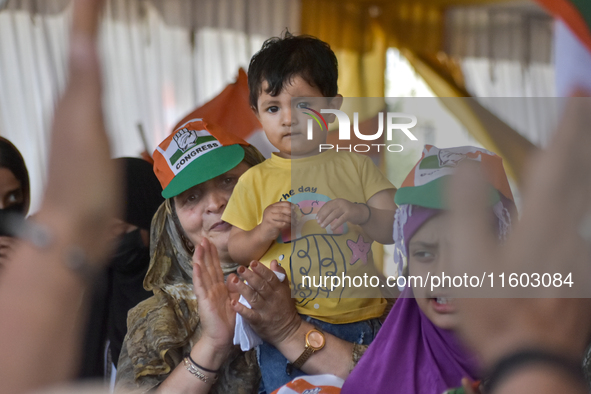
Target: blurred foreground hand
(41, 292)
(553, 235)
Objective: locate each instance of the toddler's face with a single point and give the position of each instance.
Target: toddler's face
(429, 251)
(284, 122)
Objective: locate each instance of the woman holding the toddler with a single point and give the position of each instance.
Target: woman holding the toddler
(180, 339)
(416, 346)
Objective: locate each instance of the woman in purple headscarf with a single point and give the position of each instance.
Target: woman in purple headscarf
(416, 350)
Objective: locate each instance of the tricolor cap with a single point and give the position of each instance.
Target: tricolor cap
(195, 153)
(424, 184)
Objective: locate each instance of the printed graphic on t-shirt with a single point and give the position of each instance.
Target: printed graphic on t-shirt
(304, 223)
(318, 252)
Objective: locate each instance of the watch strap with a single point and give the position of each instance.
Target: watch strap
(308, 351)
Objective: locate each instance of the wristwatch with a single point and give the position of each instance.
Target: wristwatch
(315, 341)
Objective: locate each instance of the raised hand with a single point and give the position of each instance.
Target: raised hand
(218, 317)
(549, 238)
(82, 181)
(40, 304)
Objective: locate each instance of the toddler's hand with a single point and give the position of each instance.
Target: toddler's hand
(338, 211)
(276, 218)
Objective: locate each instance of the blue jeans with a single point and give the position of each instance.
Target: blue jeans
(273, 363)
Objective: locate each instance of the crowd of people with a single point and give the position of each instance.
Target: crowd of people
(206, 254)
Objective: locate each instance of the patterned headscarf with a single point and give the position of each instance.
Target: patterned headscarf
(411, 354)
(422, 196)
(166, 326)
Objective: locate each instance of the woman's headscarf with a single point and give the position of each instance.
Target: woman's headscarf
(12, 159)
(164, 327)
(410, 354)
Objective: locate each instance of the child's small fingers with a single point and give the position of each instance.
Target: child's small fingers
(324, 211)
(323, 214)
(275, 215)
(282, 221)
(279, 225)
(337, 222)
(287, 213)
(283, 206)
(286, 216)
(335, 214)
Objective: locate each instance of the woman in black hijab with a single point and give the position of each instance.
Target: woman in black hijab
(120, 288)
(15, 195)
(15, 192)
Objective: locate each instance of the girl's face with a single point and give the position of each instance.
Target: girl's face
(200, 209)
(429, 250)
(11, 192)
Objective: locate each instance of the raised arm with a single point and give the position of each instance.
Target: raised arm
(41, 291)
(217, 320)
(532, 345)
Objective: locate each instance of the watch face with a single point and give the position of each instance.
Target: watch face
(315, 339)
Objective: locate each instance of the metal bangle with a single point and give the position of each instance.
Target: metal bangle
(197, 373)
(199, 366)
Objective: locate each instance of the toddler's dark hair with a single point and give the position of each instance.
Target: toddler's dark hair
(281, 59)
